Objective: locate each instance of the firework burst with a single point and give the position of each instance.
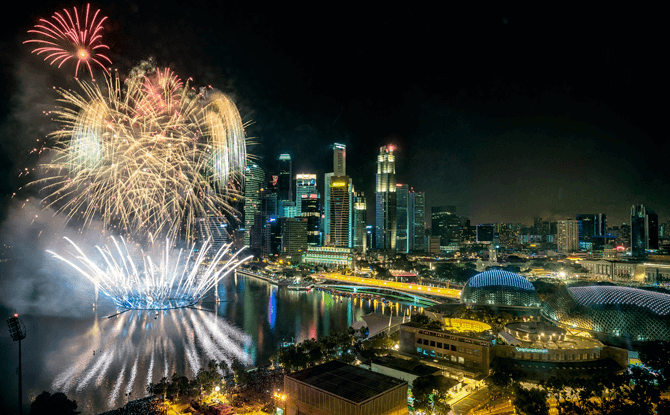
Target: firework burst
(146, 156)
(67, 37)
(144, 284)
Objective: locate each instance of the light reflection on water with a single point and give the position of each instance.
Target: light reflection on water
(138, 347)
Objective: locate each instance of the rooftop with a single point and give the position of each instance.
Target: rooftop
(345, 381)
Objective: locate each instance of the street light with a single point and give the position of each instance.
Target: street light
(18, 332)
(281, 396)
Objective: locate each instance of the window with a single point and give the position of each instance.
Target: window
(432, 343)
(439, 345)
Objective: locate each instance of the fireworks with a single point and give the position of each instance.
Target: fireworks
(67, 37)
(146, 156)
(145, 284)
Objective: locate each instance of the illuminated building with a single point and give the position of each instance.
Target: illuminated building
(254, 178)
(339, 159)
(402, 212)
(592, 230)
(338, 388)
(385, 206)
(508, 234)
(305, 185)
(311, 209)
(329, 256)
(417, 219)
(339, 169)
(285, 183)
(446, 225)
(294, 237)
(359, 222)
(568, 235)
(617, 312)
(501, 289)
(339, 211)
(643, 230)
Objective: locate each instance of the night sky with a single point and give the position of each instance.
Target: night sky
(506, 113)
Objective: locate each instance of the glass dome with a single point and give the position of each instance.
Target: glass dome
(500, 288)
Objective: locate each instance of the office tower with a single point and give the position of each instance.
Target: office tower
(326, 207)
(254, 178)
(311, 209)
(445, 224)
(402, 212)
(214, 229)
(568, 235)
(508, 233)
(359, 222)
(285, 183)
(305, 185)
(385, 206)
(417, 219)
(643, 229)
(339, 211)
(294, 238)
(592, 230)
(485, 233)
(339, 159)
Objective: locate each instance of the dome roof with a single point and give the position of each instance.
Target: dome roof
(501, 288)
(601, 295)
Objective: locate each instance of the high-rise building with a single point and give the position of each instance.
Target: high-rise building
(254, 178)
(305, 185)
(385, 206)
(417, 219)
(446, 225)
(311, 209)
(359, 221)
(568, 235)
(339, 211)
(643, 229)
(339, 159)
(285, 183)
(402, 211)
(294, 237)
(592, 230)
(468, 232)
(326, 207)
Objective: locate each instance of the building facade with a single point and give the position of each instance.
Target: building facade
(568, 235)
(254, 178)
(386, 220)
(447, 225)
(403, 221)
(339, 211)
(417, 219)
(643, 230)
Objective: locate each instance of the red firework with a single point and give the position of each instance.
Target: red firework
(65, 38)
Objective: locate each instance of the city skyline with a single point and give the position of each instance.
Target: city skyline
(522, 121)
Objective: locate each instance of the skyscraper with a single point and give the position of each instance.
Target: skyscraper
(305, 185)
(402, 211)
(285, 184)
(385, 207)
(254, 178)
(339, 159)
(446, 224)
(592, 230)
(417, 219)
(643, 229)
(360, 219)
(339, 211)
(568, 235)
(214, 229)
(311, 209)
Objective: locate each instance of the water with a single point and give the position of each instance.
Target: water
(135, 348)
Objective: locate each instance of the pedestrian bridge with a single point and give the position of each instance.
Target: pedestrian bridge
(415, 289)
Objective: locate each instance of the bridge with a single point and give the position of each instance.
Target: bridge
(413, 289)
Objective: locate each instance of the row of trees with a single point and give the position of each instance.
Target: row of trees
(430, 395)
(205, 381)
(636, 390)
(310, 352)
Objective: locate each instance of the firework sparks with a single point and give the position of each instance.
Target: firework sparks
(145, 284)
(147, 156)
(67, 37)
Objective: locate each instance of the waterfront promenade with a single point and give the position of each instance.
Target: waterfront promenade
(416, 289)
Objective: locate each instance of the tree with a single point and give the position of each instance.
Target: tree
(56, 404)
(531, 401)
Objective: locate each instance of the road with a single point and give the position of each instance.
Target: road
(400, 286)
